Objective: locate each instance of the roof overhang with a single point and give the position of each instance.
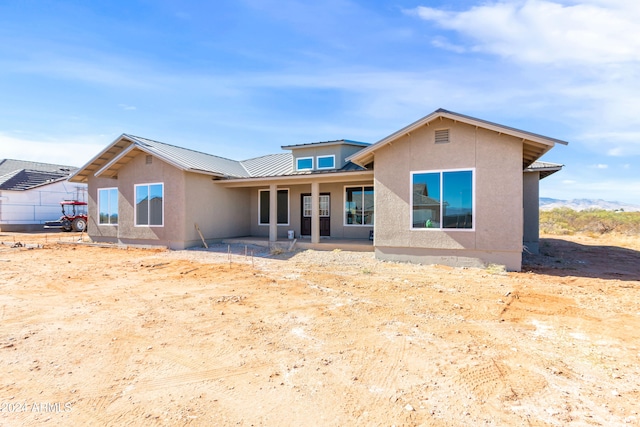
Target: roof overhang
(101, 159)
(323, 178)
(534, 145)
(110, 160)
(544, 168)
(326, 144)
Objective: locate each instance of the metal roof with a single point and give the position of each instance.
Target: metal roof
(545, 168)
(20, 175)
(269, 165)
(191, 159)
(108, 162)
(325, 143)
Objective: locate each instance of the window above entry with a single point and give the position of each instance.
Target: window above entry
(304, 163)
(326, 162)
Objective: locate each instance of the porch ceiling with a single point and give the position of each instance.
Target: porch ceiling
(346, 177)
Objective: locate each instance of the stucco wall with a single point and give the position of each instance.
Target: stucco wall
(338, 229)
(219, 212)
(100, 233)
(531, 201)
(137, 171)
(497, 164)
(188, 198)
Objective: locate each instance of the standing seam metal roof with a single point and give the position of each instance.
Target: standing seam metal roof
(191, 159)
(280, 164)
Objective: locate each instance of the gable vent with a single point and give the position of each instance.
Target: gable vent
(149, 159)
(442, 136)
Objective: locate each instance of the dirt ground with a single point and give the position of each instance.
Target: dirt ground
(107, 336)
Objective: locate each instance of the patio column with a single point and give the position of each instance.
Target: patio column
(273, 212)
(315, 212)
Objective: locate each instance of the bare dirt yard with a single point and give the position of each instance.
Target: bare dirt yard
(127, 336)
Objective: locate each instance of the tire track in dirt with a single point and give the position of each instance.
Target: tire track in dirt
(178, 359)
(173, 381)
(377, 370)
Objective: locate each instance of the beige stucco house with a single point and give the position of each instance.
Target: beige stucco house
(448, 189)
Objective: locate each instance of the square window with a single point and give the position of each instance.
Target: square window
(442, 199)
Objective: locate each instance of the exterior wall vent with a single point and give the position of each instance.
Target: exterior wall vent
(149, 159)
(442, 136)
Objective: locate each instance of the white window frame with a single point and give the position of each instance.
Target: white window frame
(441, 172)
(333, 164)
(344, 204)
(298, 168)
(135, 207)
(108, 224)
(288, 206)
(327, 198)
(306, 209)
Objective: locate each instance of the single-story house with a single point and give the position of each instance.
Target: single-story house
(449, 189)
(31, 192)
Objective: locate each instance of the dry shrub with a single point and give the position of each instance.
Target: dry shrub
(594, 222)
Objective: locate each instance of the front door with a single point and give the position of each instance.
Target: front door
(325, 216)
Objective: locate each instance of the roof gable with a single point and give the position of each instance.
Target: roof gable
(535, 145)
(109, 161)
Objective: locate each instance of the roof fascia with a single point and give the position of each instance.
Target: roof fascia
(97, 156)
(307, 178)
(135, 144)
(326, 144)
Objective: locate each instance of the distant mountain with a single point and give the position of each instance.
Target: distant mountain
(546, 204)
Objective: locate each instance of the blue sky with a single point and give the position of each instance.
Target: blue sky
(241, 78)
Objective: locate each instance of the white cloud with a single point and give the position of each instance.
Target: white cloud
(601, 166)
(616, 144)
(127, 107)
(74, 151)
(550, 32)
(443, 43)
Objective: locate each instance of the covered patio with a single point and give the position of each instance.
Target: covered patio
(316, 212)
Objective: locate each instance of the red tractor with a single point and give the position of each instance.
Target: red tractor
(74, 216)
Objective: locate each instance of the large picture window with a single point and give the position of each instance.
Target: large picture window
(283, 207)
(442, 199)
(108, 206)
(149, 204)
(358, 206)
